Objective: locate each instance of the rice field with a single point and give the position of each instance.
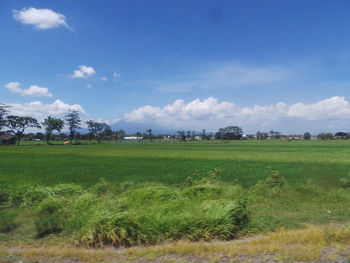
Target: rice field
(321, 162)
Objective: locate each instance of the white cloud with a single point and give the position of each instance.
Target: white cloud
(89, 86)
(40, 18)
(33, 90)
(104, 78)
(83, 72)
(212, 114)
(40, 110)
(115, 76)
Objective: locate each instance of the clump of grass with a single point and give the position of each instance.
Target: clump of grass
(136, 214)
(275, 179)
(150, 214)
(164, 221)
(345, 182)
(49, 224)
(8, 220)
(67, 190)
(197, 178)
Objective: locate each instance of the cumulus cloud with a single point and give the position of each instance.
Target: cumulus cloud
(212, 114)
(104, 78)
(40, 110)
(40, 18)
(33, 90)
(83, 72)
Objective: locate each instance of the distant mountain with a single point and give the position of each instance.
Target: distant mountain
(132, 127)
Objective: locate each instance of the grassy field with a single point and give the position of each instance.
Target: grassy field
(157, 192)
(320, 162)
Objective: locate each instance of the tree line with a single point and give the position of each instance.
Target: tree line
(17, 125)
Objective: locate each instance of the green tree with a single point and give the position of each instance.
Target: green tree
(307, 136)
(325, 136)
(203, 134)
(119, 135)
(138, 135)
(230, 133)
(73, 121)
(52, 124)
(97, 129)
(39, 135)
(150, 134)
(262, 135)
(3, 112)
(17, 125)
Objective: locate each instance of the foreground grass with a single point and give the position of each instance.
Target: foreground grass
(313, 243)
(203, 208)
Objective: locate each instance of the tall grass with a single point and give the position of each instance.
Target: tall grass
(202, 208)
(142, 214)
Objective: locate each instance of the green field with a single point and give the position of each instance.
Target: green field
(166, 191)
(320, 162)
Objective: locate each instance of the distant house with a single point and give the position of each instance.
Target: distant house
(130, 138)
(8, 140)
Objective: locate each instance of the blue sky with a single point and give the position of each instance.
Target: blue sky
(262, 65)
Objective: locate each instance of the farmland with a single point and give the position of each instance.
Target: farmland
(321, 162)
(143, 193)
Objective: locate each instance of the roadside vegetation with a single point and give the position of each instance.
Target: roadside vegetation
(141, 194)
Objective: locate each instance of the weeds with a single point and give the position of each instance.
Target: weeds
(136, 214)
(345, 182)
(8, 221)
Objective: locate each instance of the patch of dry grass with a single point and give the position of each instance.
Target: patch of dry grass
(312, 243)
